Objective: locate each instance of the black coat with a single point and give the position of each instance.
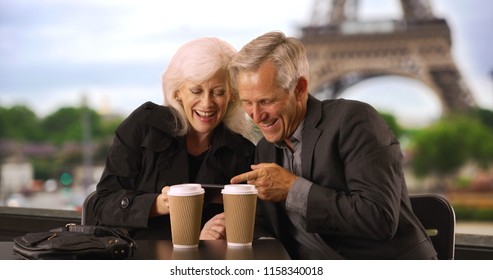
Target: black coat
(146, 156)
(358, 202)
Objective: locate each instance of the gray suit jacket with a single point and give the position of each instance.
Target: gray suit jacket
(358, 202)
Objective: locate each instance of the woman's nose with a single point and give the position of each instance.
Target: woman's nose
(205, 99)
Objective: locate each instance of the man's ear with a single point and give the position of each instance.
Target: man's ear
(301, 89)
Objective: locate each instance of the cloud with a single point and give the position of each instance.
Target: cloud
(53, 48)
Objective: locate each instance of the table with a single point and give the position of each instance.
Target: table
(264, 249)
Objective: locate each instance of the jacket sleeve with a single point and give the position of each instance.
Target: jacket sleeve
(368, 205)
(119, 202)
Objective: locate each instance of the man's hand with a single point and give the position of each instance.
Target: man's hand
(272, 181)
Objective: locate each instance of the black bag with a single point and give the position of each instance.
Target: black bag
(76, 242)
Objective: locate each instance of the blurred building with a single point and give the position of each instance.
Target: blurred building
(17, 174)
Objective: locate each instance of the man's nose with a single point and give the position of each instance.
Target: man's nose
(256, 113)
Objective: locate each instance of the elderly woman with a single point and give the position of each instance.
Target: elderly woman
(199, 135)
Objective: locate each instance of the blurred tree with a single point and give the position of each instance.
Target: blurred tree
(450, 143)
(482, 146)
(3, 122)
(19, 123)
(392, 122)
(109, 125)
(485, 116)
(65, 125)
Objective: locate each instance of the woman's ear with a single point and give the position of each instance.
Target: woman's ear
(177, 96)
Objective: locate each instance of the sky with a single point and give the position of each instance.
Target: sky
(113, 52)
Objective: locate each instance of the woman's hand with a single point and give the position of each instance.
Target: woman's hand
(214, 229)
(161, 204)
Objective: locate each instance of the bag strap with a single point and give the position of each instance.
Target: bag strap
(80, 228)
(102, 231)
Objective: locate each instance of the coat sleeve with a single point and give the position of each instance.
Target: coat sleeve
(368, 205)
(118, 201)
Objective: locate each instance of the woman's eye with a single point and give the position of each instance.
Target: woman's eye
(195, 90)
(218, 92)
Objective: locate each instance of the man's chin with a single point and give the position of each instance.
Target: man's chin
(271, 139)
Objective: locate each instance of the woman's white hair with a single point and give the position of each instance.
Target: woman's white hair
(197, 61)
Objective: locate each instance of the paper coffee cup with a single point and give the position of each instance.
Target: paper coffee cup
(185, 210)
(240, 202)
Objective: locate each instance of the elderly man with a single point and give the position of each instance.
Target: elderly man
(328, 172)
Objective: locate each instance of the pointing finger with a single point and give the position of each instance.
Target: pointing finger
(245, 177)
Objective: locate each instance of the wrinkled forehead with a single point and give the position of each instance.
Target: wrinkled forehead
(254, 88)
(265, 75)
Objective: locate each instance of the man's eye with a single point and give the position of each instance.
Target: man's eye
(266, 102)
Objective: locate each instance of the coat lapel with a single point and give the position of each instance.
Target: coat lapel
(310, 134)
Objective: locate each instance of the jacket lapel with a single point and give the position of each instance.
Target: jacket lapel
(310, 134)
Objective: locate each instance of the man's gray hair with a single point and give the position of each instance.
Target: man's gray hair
(287, 53)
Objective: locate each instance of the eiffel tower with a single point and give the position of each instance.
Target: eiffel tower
(343, 50)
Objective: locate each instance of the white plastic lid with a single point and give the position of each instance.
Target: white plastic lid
(185, 190)
(239, 189)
